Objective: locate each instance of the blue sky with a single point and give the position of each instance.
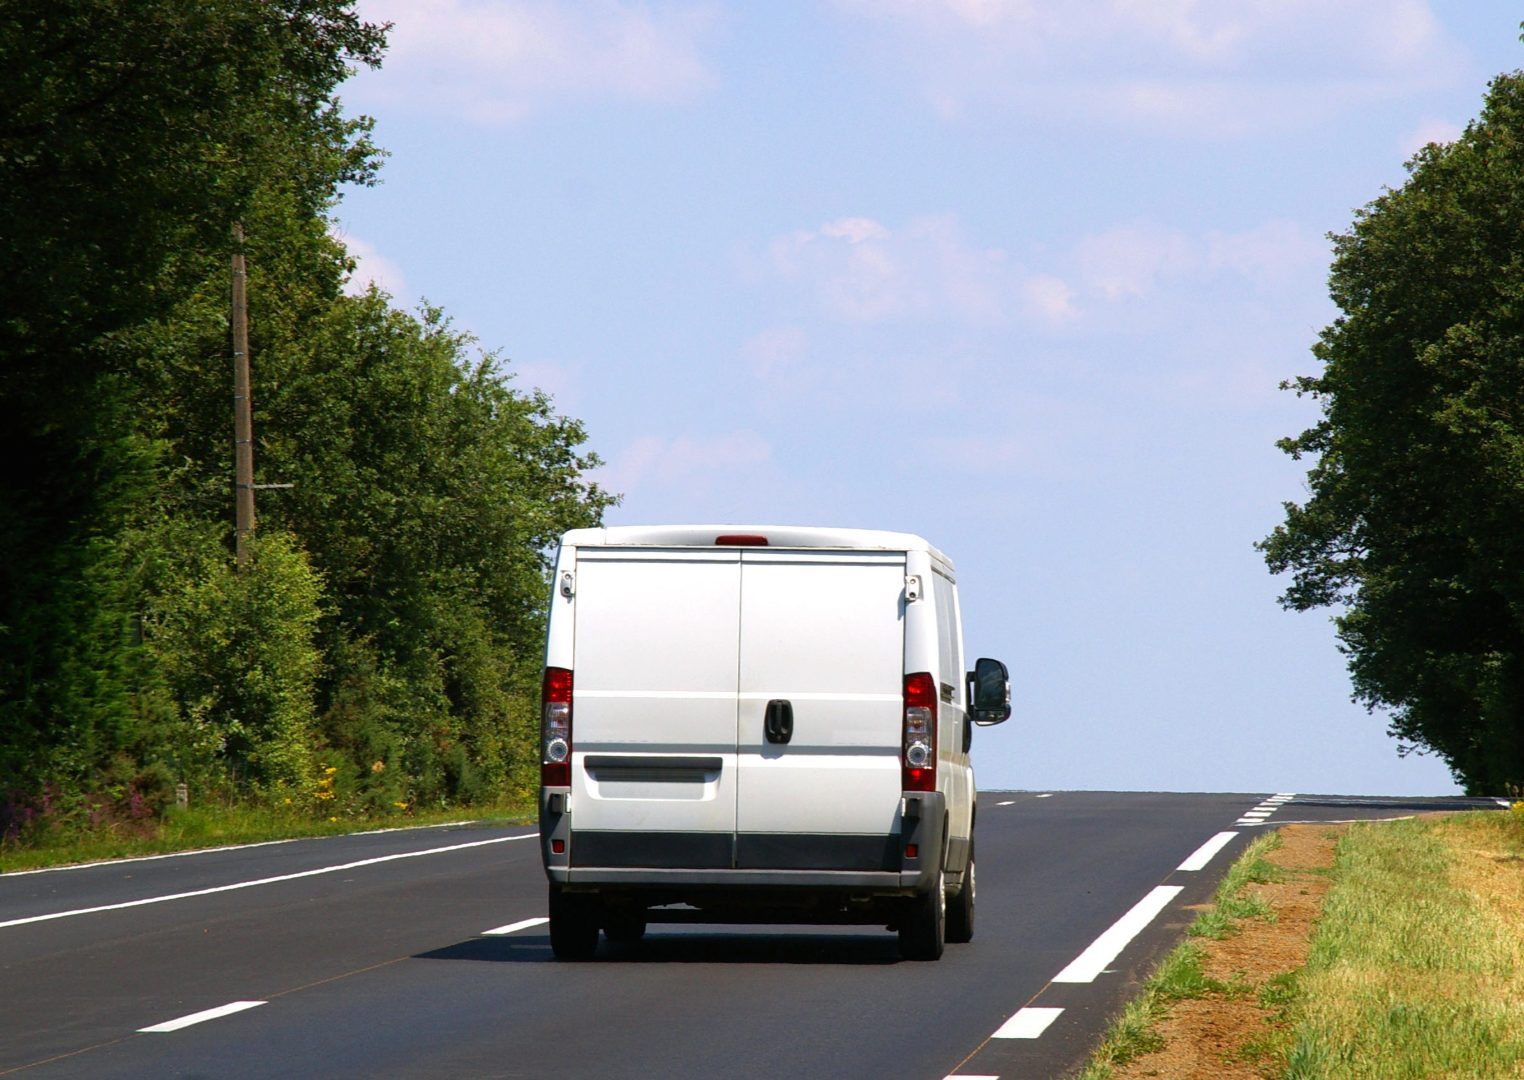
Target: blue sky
(1021, 276)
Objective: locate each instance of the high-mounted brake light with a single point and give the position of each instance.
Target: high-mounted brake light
(919, 772)
(737, 540)
(555, 728)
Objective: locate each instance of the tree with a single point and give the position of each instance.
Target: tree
(1415, 521)
(133, 134)
(388, 634)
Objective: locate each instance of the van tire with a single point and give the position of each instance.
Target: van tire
(960, 909)
(573, 926)
(923, 930)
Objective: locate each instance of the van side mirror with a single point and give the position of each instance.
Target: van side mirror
(989, 692)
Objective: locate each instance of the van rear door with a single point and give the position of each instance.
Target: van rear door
(823, 631)
(654, 708)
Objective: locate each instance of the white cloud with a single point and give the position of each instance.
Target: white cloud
(371, 266)
(496, 61)
(684, 461)
(1050, 298)
(773, 349)
(1272, 255)
(1126, 261)
(1430, 131)
(861, 271)
(1194, 66)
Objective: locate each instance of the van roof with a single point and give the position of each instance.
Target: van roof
(778, 536)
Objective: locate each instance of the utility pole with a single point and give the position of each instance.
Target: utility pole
(243, 424)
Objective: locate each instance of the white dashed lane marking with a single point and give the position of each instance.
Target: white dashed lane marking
(1106, 948)
(1203, 855)
(205, 1014)
(514, 927)
(1258, 815)
(1028, 1023)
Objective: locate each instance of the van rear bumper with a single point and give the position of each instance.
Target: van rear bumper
(621, 876)
(906, 861)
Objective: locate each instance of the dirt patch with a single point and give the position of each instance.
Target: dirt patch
(1229, 1036)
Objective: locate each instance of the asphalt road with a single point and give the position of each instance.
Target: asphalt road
(379, 968)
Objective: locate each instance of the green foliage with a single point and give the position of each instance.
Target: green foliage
(382, 650)
(1416, 518)
(1181, 976)
(133, 134)
(237, 656)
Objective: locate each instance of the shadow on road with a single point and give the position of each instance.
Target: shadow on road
(659, 948)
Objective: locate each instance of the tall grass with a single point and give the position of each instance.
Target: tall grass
(1414, 971)
(215, 825)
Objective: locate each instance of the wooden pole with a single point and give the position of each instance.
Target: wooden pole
(243, 424)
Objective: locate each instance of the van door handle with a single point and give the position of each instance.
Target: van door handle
(778, 723)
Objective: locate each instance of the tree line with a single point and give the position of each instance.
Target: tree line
(382, 647)
(1414, 525)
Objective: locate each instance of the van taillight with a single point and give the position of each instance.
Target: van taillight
(920, 751)
(555, 728)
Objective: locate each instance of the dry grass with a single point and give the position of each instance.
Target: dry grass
(1397, 955)
(1417, 967)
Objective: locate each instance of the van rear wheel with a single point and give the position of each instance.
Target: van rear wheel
(960, 910)
(573, 925)
(923, 930)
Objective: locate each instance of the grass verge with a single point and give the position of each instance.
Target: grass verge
(218, 826)
(1417, 965)
(1182, 976)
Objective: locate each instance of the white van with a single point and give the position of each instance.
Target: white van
(767, 724)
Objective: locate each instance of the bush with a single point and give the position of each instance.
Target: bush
(237, 655)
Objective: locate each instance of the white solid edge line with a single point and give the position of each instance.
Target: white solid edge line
(227, 847)
(1027, 1023)
(263, 881)
(1344, 821)
(1104, 949)
(514, 927)
(1203, 855)
(969, 1076)
(205, 1014)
